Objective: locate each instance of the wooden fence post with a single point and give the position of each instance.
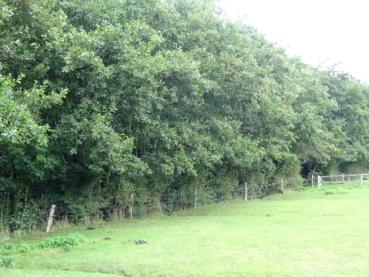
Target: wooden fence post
(361, 178)
(50, 219)
(282, 186)
(246, 192)
(131, 207)
(312, 180)
(195, 206)
(319, 181)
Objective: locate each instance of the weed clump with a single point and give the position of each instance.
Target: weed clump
(15, 248)
(62, 241)
(7, 261)
(65, 242)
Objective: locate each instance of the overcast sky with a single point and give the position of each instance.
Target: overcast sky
(321, 32)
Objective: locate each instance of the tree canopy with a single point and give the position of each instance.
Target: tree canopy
(102, 98)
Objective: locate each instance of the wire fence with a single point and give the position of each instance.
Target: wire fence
(138, 205)
(135, 205)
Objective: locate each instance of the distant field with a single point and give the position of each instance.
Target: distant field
(313, 232)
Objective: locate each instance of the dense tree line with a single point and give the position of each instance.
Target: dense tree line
(99, 99)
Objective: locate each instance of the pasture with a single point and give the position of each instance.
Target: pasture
(311, 232)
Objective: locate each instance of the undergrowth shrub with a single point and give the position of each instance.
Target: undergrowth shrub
(65, 242)
(15, 248)
(80, 208)
(7, 261)
(28, 218)
(62, 241)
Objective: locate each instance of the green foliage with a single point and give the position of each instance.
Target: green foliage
(62, 241)
(99, 100)
(65, 242)
(7, 261)
(12, 248)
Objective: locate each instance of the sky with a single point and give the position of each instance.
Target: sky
(323, 33)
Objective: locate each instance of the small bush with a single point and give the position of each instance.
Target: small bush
(15, 248)
(27, 219)
(65, 242)
(7, 261)
(62, 241)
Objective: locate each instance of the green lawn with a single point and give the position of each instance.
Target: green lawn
(313, 232)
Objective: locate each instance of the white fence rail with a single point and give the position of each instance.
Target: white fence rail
(343, 179)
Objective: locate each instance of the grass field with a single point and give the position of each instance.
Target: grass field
(313, 232)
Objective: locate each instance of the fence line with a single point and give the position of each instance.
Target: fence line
(139, 205)
(342, 179)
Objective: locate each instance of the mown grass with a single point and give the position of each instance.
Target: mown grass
(312, 232)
